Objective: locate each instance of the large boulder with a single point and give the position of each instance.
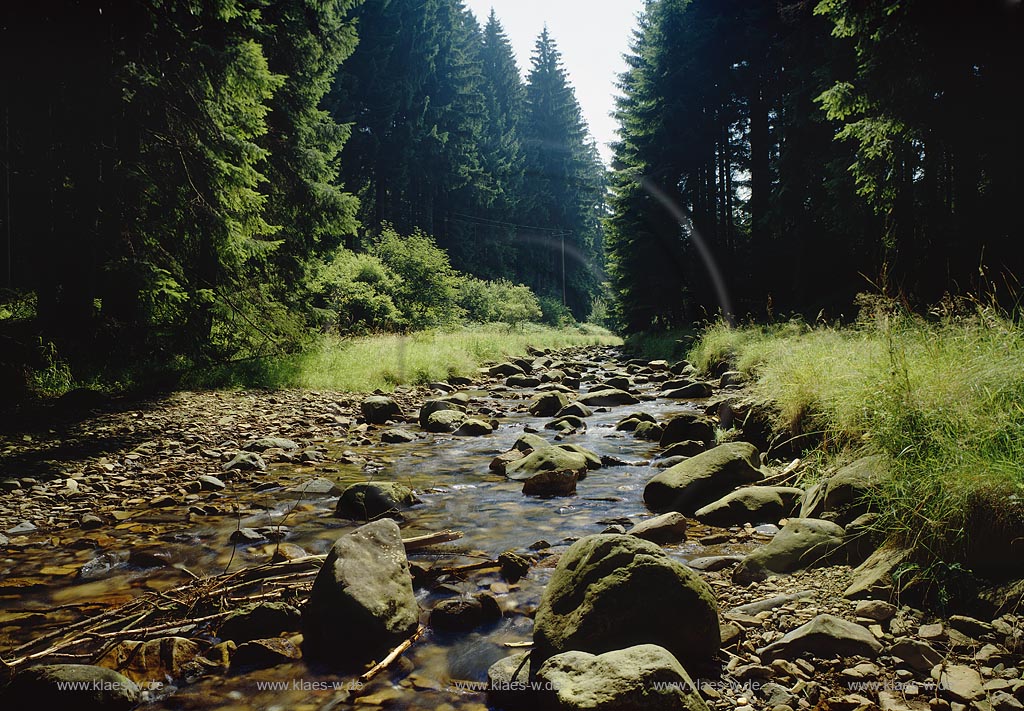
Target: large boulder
(846, 494)
(370, 500)
(362, 603)
(702, 479)
(693, 391)
(593, 460)
(753, 504)
(826, 636)
(81, 687)
(645, 676)
(874, 578)
(608, 397)
(378, 409)
(546, 459)
(431, 406)
(548, 404)
(445, 421)
(613, 591)
(802, 543)
(667, 528)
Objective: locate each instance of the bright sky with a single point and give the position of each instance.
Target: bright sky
(592, 36)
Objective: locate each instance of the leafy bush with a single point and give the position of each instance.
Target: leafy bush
(427, 289)
(355, 293)
(498, 301)
(555, 313)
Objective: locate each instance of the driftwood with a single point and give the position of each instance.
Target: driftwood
(785, 475)
(390, 659)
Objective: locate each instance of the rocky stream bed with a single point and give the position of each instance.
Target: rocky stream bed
(570, 530)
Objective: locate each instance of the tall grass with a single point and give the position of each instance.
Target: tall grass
(386, 361)
(943, 400)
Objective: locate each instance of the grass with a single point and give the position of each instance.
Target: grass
(386, 361)
(942, 399)
(668, 345)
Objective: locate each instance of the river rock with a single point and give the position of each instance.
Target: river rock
(445, 421)
(264, 443)
(378, 409)
(693, 391)
(154, 660)
(753, 504)
(688, 426)
(961, 683)
(874, 577)
(522, 381)
(567, 423)
(609, 397)
(463, 614)
(318, 486)
(846, 493)
(499, 463)
(369, 500)
(645, 676)
(576, 409)
(264, 653)
(732, 377)
(397, 436)
(700, 480)
(210, 483)
(362, 603)
(875, 610)
(552, 483)
(802, 543)
(266, 619)
(474, 428)
(687, 448)
(613, 591)
(508, 682)
(504, 370)
(650, 431)
(825, 636)
(667, 528)
(547, 458)
(529, 441)
(431, 406)
(593, 461)
(916, 654)
(246, 461)
(547, 404)
(94, 688)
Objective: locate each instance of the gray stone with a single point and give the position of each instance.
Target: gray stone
(370, 500)
(961, 683)
(263, 620)
(825, 636)
(548, 404)
(686, 448)
(445, 421)
(847, 492)
(264, 654)
(608, 398)
(666, 528)
(264, 443)
(802, 543)
(613, 591)
(1002, 701)
(431, 406)
(644, 676)
(753, 504)
(693, 391)
(463, 614)
(80, 687)
(246, 461)
(732, 377)
(700, 480)
(688, 426)
(397, 436)
(522, 381)
(873, 577)
(504, 370)
(546, 459)
(919, 656)
(530, 441)
(712, 563)
(362, 603)
(474, 428)
(593, 461)
(575, 409)
(877, 610)
(210, 483)
(318, 486)
(650, 431)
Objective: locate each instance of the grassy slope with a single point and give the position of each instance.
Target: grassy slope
(382, 362)
(944, 401)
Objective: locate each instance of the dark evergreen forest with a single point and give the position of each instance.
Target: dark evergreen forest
(212, 179)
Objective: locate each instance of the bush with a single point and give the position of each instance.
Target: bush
(498, 301)
(555, 313)
(427, 290)
(355, 293)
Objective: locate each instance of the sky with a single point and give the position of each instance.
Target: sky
(592, 36)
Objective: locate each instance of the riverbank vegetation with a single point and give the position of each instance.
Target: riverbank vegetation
(941, 398)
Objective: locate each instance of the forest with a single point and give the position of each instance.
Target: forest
(207, 180)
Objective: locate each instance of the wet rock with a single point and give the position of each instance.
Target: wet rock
(612, 591)
(824, 637)
(264, 443)
(575, 409)
(650, 431)
(802, 543)
(608, 398)
(847, 492)
(154, 660)
(644, 676)
(522, 381)
(552, 483)
(267, 619)
(547, 404)
(362, 603)
(919, 656)
(544, 459)
(499, 463)
(445, 421)
(530, 441)
(508, 681)
(693, 391)
(700, 480)
(753, 504)
(961, 683)
(210, 483)
(80, 687)
(630, 421)
(514, 566)
(873, 577)
(712, 563)
(432, 406)
(246, 535)
(90, 522)
(668, 463)
(593, 461)
(246, 461)
(688, 426)
(474, 428)
(465, 613)
(264, 653)
(504, 370)
(567, 423)
(397, 436)
(370, 500)
(666, 528)
(318, 486)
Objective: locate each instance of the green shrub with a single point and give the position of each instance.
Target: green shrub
(355, 293)
(426, 293)
(555, 313)
(498, 301)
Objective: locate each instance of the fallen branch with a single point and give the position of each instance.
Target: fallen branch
(395, 654)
